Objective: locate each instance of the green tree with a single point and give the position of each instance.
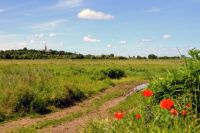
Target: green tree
(152, 56)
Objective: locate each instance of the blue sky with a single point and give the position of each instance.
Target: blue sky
(122, 27)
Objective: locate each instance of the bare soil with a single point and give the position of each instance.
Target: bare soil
(78, 123)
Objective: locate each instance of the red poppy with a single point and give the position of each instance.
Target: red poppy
(166, 104)
(174, 112)
(188, 105)
(147, 93)
(138, 116)
(119, 115)
(183, 112)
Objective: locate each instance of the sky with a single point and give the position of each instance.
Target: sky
(121, 27)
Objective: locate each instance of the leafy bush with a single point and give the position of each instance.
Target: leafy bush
(69, 98)
(39, 105)
(113, 73)
(2, 117)
(24, 102)
(184, 82)
(28, 102)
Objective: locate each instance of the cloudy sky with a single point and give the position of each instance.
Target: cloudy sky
(122, 27)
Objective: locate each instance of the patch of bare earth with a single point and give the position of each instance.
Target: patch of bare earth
(76, 124)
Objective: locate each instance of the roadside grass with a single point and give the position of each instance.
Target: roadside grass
(55, 84)
(114, 92)
(171, 104)
(133, 103)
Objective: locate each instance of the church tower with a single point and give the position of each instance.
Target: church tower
(45, 48)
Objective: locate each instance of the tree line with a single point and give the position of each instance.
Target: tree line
(54, 54)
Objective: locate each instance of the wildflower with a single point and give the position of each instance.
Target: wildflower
(166, 104)
(147, 93)
(188, 105)
(174, 112)
(119, 115)
(183, 112)
(138, 116)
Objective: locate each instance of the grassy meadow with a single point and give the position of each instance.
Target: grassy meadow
(41, 86)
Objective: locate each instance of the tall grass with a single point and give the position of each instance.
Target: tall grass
(181, 86)
(39, 86)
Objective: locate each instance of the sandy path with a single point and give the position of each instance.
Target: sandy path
(74, 125)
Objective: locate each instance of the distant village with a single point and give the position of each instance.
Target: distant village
(54, 54)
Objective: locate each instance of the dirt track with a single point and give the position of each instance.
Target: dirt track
(76, 124)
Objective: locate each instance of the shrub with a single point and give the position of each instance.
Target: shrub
(28, 102)
(24, 101)
(40, 106)
(78, 95)
(113, 73)
(2, 117)
(181, 83)
(69, 98)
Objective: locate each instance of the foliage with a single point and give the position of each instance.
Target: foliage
(195, 54)
(173, 107)
(69, 98)
(113, 73)
(24, 101)
(39, 86)
(53, 54)
(28, 102)
(184, 82)
(152, 56)
(2, 116)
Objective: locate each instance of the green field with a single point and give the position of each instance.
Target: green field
(41, 86)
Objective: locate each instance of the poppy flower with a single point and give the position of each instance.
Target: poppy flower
(188, 105)
(166, 104)
(138, 116)
(147, 93)
(183, 112)
(119, 115)
(174, 112)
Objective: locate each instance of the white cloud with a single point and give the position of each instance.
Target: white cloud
(145, 41)
(61, 4)
(90, 39)
(122, 42)
(154, 10)
(9, 41)
(52, 34)
(40, 35)
(32, 41)
(49, 25)
(2, 10)
(167, 36)
(109, 45)
(43, 42)
(23, 44)
(94, 15)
